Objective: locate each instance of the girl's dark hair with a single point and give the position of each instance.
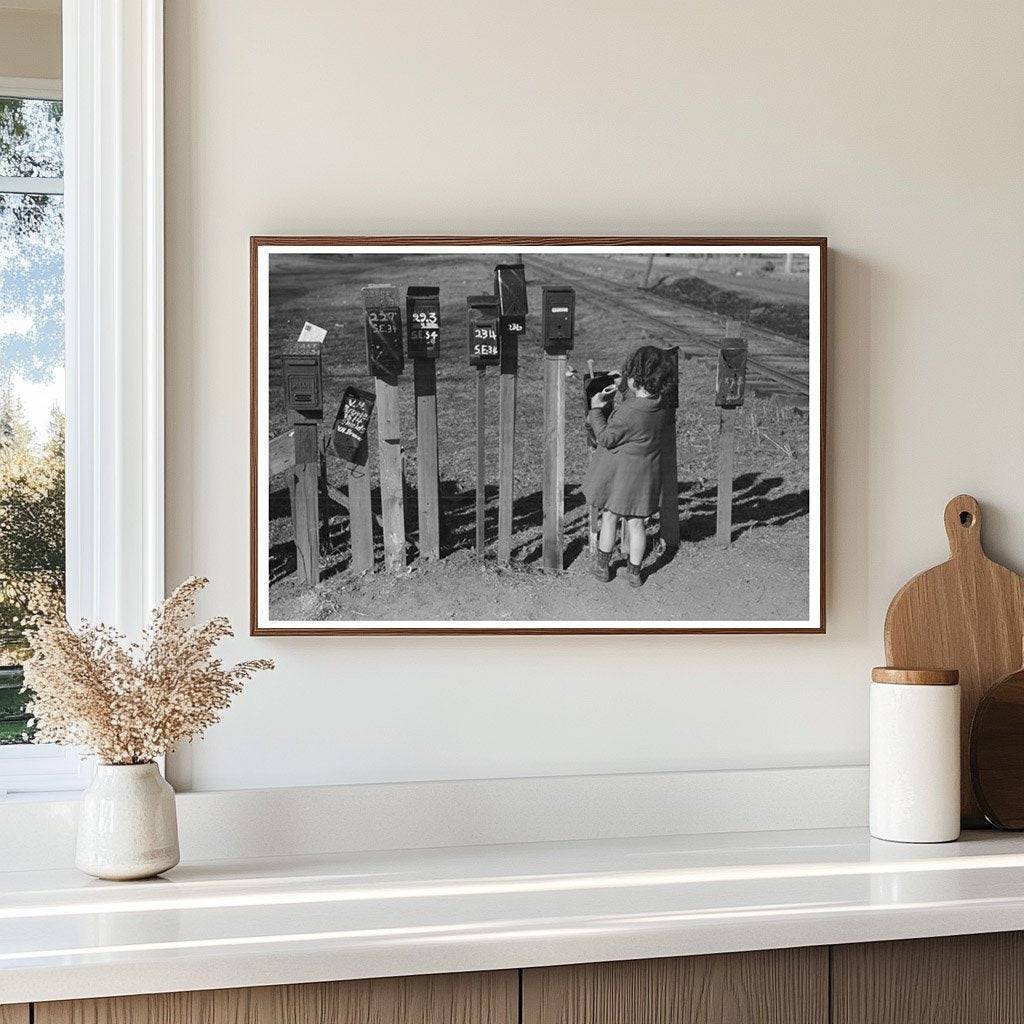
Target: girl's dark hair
(650, 368)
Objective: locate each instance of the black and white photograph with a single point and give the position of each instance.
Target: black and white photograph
(537, 435)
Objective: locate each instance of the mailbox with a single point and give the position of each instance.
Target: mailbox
(303, 372)
(593, 383)
(558, 316)
(732, 373)
(351, 425)
(383, 331)
(510, 330)
(423, 321)
(510, 289)
(484, 344)
(670, 397)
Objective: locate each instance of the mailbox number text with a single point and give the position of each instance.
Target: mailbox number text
(485, 342)
(384, 321)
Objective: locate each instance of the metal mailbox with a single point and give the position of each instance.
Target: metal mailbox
(558, 318)
(670, 398)
(383, 331)
(303, 371)
(423, 321)
(731, 382)
(510, 331)
(484, 338)
(348, 437)
(510, 289)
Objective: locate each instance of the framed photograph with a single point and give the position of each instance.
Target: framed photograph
(537, 435)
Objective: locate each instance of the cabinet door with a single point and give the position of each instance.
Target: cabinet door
(778, 986)
(14, 1013)
(961, 979)
(482, 998)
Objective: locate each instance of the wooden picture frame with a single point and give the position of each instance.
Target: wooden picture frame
(393, 530)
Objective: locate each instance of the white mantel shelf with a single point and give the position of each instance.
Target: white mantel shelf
(267, 922)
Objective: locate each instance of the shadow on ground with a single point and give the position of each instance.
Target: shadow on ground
(758, 501)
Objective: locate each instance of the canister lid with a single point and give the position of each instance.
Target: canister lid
(916, 676)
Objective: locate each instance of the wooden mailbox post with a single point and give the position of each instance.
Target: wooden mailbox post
(558, 321)
(510, 291)
(729, 392)
(423, 326)
(484, 350)
(304, 399)
(385, 361)
(348, 438)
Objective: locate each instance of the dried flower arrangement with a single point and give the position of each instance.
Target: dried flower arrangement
(129, 703)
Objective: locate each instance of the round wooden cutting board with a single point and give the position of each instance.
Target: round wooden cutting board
(967, 614)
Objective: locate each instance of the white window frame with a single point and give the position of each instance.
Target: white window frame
(114, 333)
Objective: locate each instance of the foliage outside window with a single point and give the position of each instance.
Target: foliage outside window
(31, 387)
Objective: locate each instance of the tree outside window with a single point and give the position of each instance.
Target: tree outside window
(31, 387)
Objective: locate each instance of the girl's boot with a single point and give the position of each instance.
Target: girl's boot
(600, 568)
(635, 575)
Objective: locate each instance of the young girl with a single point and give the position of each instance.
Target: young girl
(624, 478)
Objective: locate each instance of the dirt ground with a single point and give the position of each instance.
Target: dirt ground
(762, 576)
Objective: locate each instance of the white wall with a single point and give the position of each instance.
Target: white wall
(895, 129)
(30, 39)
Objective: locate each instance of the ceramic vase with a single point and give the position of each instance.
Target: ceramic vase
(127, 825)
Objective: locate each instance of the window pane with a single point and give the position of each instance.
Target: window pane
(31, 140)
(31, 432)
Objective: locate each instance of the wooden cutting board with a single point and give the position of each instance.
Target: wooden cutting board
(967, 614)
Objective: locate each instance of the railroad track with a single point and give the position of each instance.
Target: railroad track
(700, 330)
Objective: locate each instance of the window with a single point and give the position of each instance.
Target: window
(32, 549)
(81, 188)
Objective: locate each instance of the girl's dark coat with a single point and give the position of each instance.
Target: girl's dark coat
(625, 472)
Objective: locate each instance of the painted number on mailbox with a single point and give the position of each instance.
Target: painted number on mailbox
(384, 341)
(484, 345)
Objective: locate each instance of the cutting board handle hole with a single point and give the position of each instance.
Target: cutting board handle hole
(966, 519)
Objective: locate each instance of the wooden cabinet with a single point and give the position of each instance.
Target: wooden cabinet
(962, 979)
(777, 986)
(970, 979)
(491, 998)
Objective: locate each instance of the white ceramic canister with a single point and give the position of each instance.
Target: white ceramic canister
(915, 755)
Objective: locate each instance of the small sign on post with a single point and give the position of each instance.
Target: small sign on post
(558, 309)
(423, 320)
(510, 290)
(730, 387)
(384, 357)
(304, 391)
(484, 350)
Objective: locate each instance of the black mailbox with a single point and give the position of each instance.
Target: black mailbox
(484, 345)
(558, 315)
(351, 425)
(383, 331)
(510, 289)
(670, 398)
(423, 321)
(510, 330)
(732, 373)
(303, 371)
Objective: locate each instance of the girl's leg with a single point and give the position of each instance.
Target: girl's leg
(638, 545)
(609, 524)
(605, 542)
